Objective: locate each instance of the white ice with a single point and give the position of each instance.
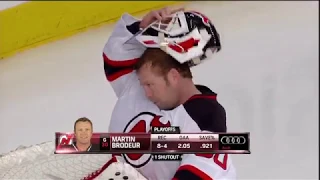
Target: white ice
(266, 76)
(8, 4)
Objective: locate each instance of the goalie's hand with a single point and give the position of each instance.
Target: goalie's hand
(160, 15)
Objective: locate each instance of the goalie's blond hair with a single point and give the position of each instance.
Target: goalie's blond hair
(163, 62)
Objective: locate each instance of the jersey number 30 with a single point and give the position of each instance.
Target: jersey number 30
(222, 163)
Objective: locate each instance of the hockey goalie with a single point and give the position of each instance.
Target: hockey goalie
(147, 62)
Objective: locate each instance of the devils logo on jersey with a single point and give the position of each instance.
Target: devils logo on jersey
(142, 123)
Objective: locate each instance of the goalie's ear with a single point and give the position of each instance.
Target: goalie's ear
(173, 76)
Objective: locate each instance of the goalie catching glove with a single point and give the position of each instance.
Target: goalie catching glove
(115, 169)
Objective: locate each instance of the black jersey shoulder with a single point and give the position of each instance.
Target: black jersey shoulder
(206, 111)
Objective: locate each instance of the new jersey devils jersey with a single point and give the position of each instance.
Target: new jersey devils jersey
(133, 112)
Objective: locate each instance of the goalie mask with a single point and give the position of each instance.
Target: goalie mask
(189, 37)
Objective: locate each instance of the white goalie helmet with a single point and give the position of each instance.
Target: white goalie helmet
(187, 36)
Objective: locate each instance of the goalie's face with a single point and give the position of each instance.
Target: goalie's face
(159, 88)
(83, 132)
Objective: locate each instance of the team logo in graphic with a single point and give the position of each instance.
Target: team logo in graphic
(65, 139)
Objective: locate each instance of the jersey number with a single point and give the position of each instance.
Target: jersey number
(222, 163)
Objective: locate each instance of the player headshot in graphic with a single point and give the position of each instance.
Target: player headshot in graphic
(83, 130)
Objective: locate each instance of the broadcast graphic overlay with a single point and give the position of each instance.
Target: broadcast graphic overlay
(158, 138)
(64, 142)
(162, 141)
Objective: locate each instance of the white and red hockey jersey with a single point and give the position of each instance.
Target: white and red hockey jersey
(133, 112)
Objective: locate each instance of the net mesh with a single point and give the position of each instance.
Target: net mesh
(40, 162)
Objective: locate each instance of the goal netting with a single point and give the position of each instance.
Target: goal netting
(40, 162)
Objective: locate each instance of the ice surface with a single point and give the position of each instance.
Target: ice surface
(266, 76)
